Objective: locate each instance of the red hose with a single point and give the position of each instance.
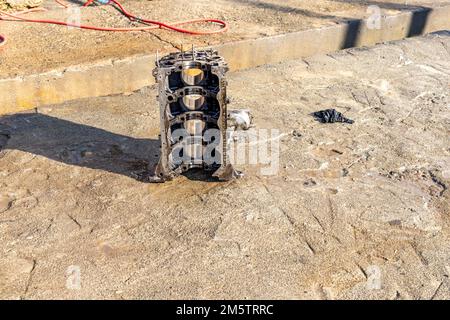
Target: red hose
(2, 37)
(88, 3)
(156, 24)
(171, 27)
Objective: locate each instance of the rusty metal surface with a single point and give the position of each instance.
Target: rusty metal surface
(175, 84)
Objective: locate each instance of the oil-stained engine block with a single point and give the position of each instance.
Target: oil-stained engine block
(193, 113)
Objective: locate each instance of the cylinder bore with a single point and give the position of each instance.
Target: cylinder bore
(194, 151)
(193, 101)
(195, 127)
(192, 73)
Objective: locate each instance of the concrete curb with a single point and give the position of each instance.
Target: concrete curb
(130, 74)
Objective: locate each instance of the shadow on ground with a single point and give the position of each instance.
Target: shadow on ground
(78, 144)
(384, 5)
(85, 146)
(416, 28)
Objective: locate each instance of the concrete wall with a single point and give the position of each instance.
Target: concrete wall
(130, 74)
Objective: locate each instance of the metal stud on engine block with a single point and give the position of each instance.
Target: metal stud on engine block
(193, 113)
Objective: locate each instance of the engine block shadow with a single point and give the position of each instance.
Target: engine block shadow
(78, 144)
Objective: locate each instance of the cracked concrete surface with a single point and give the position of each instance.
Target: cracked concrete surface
(355, 211)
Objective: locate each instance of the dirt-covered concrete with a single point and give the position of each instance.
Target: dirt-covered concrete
(35, 48)
(355, 211)
(19, 4)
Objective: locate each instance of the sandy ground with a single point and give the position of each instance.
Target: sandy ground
(19, 4)
(355, 211)
(37, 48)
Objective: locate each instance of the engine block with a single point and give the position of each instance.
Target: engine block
(193, 113)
